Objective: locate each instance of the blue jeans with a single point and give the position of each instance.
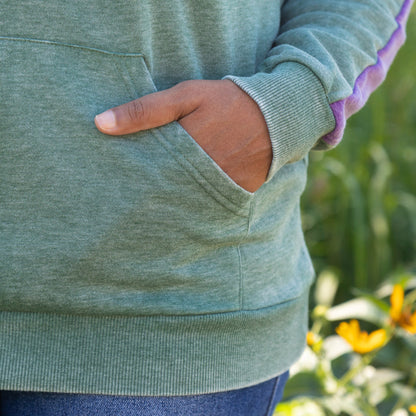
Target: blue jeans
(258, 400)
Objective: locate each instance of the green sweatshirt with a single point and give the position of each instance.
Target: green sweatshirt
(134, 264)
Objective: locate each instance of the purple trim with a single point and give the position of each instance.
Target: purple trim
(369, 79)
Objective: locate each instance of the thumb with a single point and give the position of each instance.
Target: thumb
(149, 111)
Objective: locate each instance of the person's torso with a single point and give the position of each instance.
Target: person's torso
(145, 223)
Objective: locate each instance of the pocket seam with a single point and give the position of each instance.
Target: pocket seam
(199, 178)
(214, 165)
(131, 90)
(70, 45)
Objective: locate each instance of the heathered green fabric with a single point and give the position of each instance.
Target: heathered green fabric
(134, 265)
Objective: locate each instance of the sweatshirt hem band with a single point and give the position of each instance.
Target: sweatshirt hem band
(149, 356)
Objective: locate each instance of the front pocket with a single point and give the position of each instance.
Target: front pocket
(193, 158)
(102, 225)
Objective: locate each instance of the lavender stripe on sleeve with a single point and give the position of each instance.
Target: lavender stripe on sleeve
(369, 79)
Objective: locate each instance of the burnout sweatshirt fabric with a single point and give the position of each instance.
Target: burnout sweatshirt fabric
(133, 264)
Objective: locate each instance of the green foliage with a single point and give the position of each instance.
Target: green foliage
(331, 379)
(359, 216)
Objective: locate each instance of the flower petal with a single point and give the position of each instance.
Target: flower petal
(360, 341)
(345, 331)
(409, 323)
(310, 338)
(396, 301)
(377, 339)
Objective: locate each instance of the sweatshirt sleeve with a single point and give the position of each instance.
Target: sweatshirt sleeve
(327, 58)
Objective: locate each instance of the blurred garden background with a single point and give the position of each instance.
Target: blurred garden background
(359, 217)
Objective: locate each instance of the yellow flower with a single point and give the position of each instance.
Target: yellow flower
(310, 338)
(413, 408)
(361, 341)
(400, 315)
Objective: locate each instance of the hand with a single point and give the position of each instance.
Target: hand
(224, 120)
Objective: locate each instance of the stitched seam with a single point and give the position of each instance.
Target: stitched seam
(241, 273)
(212, 190)
(164, 315)
(240, 257)
(126, 80)
(216, 188)
(131, 79)
(70, 45)
(269, 408)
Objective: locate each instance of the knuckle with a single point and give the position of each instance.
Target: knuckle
(186, 88)
(181, 86)
(136, 110)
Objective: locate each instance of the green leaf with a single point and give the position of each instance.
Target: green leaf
(299, 408)
(345, 404)
(407, 393)
(305, 384)
(326, 287)
(406, 279)
(360, 308)
(373, 299)
(334, 346)
(383, 376)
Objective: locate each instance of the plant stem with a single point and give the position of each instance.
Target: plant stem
(365, 360)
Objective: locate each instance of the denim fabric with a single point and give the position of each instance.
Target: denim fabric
(258, 400)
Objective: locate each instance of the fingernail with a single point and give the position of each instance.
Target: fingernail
(106, 120)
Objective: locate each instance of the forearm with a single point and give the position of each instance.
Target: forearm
(326, 60)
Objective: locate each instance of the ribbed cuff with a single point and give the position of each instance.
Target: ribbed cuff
(295, 107)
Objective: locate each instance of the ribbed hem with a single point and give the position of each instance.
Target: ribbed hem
(157, 355)
(295, 107)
